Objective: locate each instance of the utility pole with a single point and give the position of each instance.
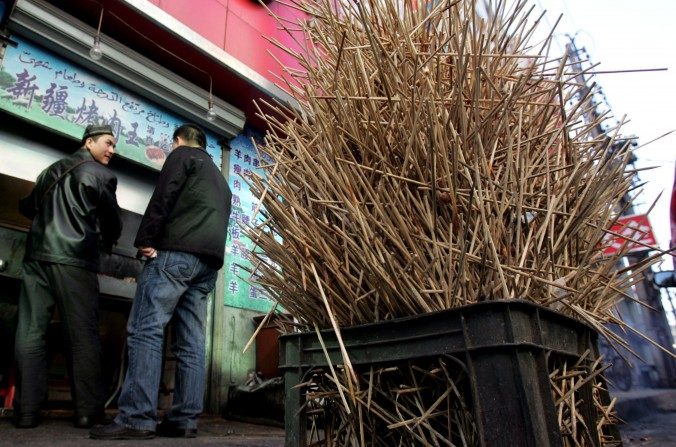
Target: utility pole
(650, 319)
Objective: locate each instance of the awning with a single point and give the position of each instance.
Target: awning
(56, 30)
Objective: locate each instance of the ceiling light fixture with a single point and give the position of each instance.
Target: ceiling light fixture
(211, 113)
(95, 52)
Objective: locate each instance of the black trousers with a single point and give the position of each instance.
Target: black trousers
(75, 291)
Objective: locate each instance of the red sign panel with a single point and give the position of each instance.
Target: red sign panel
(631, 231)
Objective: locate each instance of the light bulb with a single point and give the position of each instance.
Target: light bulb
(211, 113)
(95, 52)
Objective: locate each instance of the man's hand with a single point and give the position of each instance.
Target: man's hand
(148, 252)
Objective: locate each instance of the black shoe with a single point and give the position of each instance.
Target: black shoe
(88, 421)
(169, 429)
(27, 420)
(117, 431)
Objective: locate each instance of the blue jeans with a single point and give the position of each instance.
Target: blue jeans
(174, 284)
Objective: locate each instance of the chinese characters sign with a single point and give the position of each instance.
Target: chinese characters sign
(630, 229)
(238, 292)
(44, 88)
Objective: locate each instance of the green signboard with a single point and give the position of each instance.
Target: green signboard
(238, 291)
(44, 88)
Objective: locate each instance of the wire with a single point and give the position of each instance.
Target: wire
(154, 43)
(655, 139)
(656, 160)
(164, 49)
(98, 30)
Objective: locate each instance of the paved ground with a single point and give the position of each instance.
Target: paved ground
(650, 416)
(57, 430)
(656, 430)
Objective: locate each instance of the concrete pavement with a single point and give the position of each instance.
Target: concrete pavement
(638, 403)
(649, 415)
(57, 430)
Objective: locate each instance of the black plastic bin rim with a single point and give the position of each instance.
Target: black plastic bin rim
(504, 325)
(474, 307)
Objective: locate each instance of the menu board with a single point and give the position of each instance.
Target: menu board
(244, 160)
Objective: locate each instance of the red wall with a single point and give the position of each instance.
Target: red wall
(238, 26)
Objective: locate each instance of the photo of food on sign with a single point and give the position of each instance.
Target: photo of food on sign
(45, 88)
(156, 155)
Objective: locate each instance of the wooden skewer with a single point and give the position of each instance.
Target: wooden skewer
(433, 158)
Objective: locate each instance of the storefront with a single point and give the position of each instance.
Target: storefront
(154, 74)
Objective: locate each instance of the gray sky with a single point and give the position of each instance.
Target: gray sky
(623, 35)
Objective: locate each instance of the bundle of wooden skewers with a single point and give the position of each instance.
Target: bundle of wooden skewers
(412, 403)
(428, 403)
(567, 380)
(438, 157)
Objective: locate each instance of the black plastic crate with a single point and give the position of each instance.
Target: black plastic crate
(503, 345)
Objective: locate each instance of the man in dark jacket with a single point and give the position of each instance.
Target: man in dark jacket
(182, 235)
(75, 213)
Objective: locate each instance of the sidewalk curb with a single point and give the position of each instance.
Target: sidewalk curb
(636, 404)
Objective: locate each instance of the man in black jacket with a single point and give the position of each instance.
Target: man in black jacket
(75, 214)
(182, 235)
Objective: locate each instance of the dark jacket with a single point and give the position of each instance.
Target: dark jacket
(189, 209)
(77, 217)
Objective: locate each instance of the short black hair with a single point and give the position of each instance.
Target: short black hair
(191, 133)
